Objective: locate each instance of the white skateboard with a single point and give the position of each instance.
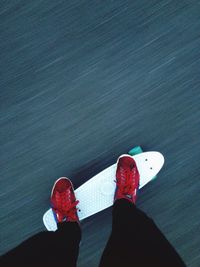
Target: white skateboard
(97, 193)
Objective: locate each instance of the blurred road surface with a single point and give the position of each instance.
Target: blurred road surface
(84, 81)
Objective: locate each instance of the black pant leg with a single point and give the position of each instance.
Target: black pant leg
(68, 236)
(136, 241)
(59, 248)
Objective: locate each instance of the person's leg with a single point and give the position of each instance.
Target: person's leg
(47, 248)
(52, 248)
(69, 236)
(135, 239)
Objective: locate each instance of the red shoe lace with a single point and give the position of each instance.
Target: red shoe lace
(126, 184)
(65, 206)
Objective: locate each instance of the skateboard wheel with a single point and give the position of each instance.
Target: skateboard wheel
(136, 150)
(153, 178)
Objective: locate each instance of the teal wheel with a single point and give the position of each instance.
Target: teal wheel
(153, 178)
(136, 150)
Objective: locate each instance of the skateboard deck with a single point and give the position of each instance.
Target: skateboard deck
(97, 193)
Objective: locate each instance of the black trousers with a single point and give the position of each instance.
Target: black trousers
(135, 241)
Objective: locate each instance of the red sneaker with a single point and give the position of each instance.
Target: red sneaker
(63, 201)
(127, 179)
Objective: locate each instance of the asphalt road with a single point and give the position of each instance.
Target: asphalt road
(84, 81)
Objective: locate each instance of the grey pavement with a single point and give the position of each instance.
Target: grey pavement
(83, 82)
